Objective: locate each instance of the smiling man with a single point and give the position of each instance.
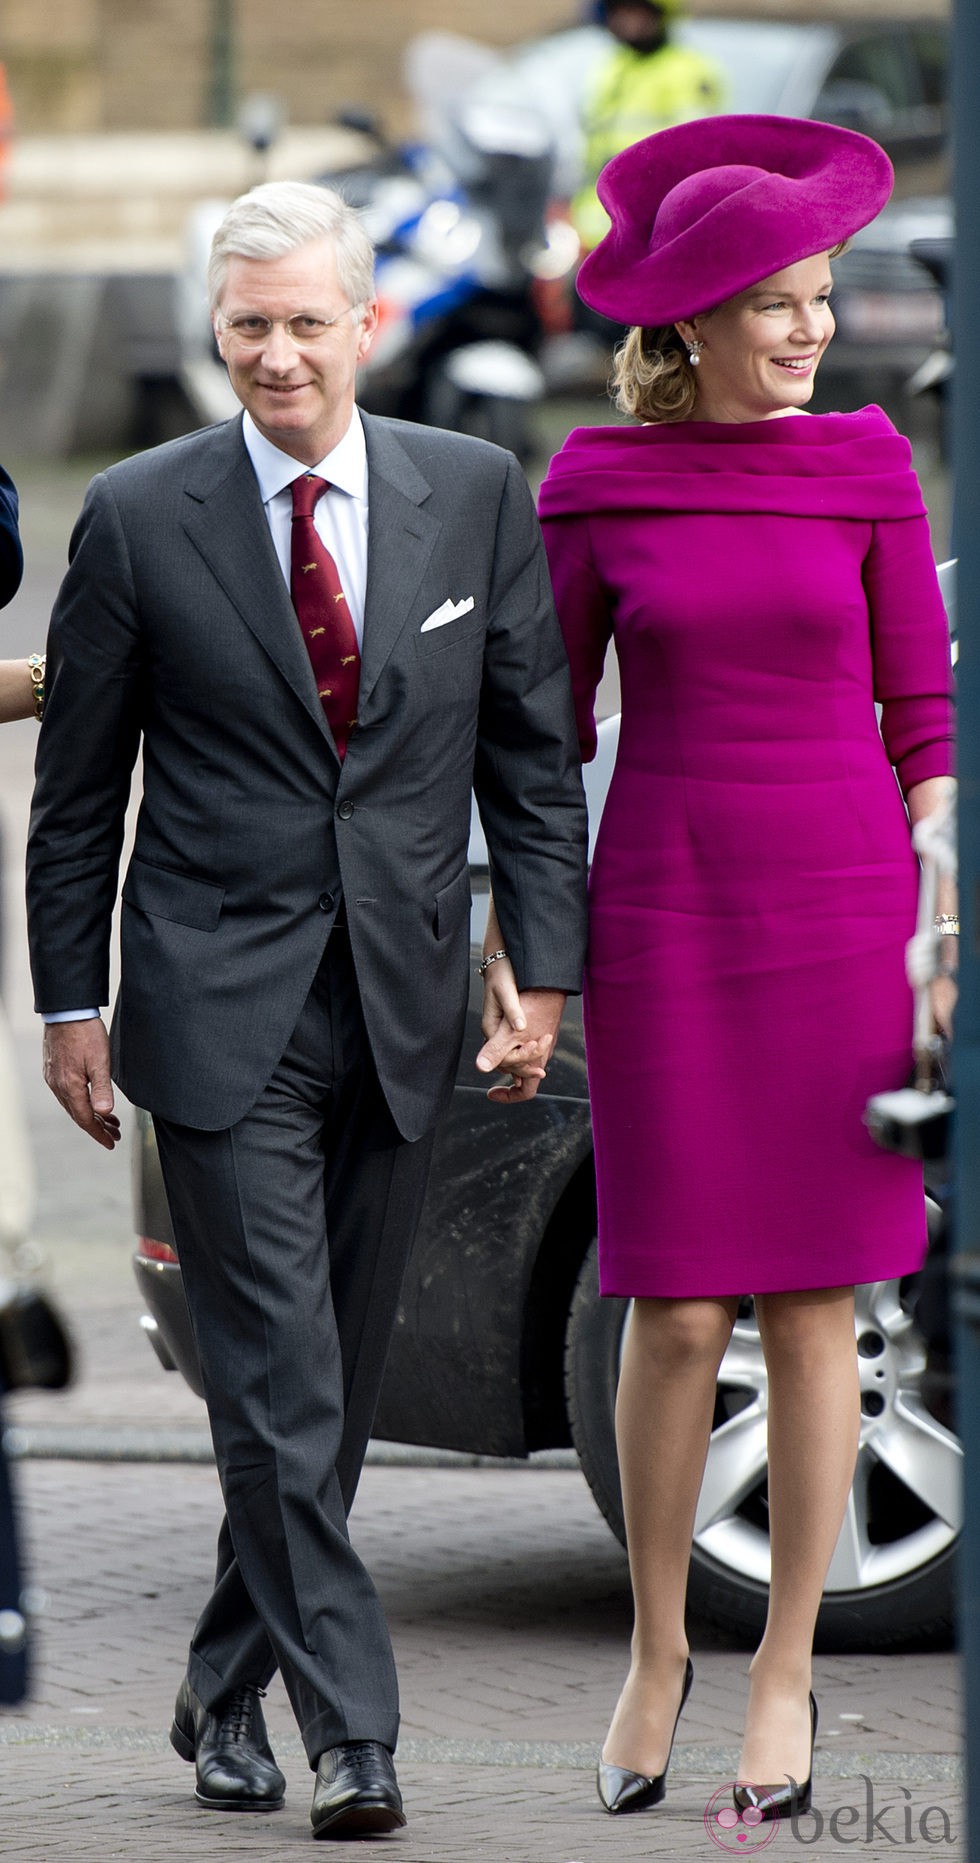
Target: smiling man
(325, 629)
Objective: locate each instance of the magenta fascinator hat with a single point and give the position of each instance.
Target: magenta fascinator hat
(704, 210)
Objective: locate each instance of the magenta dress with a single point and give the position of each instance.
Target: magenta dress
(753, 884)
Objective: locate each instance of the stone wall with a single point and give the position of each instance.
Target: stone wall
(170, 64)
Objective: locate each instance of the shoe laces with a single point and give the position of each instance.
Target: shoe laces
(238, 1712)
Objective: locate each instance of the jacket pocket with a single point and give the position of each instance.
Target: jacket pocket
(179, 897)
(452, 904)
(460, 633)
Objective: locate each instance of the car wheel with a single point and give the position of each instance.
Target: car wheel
(891, 1581)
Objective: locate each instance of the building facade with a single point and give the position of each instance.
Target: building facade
(90, 65)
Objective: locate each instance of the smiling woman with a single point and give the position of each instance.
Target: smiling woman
(767, 575)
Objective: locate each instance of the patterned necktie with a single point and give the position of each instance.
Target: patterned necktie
(324, 617)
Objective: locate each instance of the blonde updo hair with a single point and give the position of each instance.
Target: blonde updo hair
(652, 377)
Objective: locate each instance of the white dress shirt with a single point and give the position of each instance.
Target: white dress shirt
(341, 520)
(340, 516)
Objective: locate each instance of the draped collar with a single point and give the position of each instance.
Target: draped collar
(819, 465)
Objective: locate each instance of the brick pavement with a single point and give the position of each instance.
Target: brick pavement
(509, 1609)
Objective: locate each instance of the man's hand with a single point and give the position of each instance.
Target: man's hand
(521, 1030)
(76, 1068)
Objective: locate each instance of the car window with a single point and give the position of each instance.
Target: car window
(871, 84)
(892, 85)
(929, 45)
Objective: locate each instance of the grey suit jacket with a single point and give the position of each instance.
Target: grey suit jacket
(174, 629)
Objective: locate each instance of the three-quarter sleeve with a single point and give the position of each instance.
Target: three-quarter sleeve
(583, 611)
(910, 649)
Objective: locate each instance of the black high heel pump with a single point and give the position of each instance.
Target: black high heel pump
(621, 1790)
(771, 1801)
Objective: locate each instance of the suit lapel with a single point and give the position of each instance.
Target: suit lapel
(226, 523)
(225, 520)
(401, 535)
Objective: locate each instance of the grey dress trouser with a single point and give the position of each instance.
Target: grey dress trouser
(293, 1229)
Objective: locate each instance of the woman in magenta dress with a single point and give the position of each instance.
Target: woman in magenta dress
(767, 577)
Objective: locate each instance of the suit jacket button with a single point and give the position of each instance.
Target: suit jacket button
(345, 811)
(325, 902)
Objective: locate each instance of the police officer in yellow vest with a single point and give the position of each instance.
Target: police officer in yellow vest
(644, 83)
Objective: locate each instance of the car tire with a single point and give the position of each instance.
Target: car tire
(908, 1611)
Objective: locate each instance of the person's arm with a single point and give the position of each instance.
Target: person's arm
(17, 691)
(922, 800)
(86, 752)
(913, 684)
(583, 614)
(11, 552)
(910, 652)
(527, 779)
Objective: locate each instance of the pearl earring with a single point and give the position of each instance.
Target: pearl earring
(694, 349)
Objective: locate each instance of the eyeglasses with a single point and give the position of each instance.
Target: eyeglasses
(253, 332)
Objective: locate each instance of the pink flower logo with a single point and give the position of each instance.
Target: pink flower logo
(741, 1833)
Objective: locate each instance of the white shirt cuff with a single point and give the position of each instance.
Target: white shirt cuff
(69, 1015)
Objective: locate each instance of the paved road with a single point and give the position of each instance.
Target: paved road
(507, 1596)
(508, 1603)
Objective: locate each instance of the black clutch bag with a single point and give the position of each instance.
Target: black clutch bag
(35, 1348)
(916, 1120)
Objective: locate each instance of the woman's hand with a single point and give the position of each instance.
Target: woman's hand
(520, 1032)
(501, 999)
(508, 1046)
(520, 1027)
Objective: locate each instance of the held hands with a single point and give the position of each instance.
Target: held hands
(76, 1068)
(521, 1029)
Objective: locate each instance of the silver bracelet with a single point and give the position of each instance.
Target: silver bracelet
(491, 958)
(947, 925)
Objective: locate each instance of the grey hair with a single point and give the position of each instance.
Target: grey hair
(280, 216)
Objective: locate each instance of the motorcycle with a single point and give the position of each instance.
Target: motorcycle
(464, 261)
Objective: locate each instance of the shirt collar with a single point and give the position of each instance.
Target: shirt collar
(345, 466)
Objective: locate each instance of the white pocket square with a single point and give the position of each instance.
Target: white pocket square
(450, 611)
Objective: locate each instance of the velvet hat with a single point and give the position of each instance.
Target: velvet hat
(704, 210)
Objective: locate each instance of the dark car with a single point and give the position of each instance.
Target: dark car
(503, 1347)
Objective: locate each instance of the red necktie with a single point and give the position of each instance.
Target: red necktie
(324, 617)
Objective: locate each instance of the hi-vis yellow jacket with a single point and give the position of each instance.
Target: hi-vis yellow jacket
(631, 95)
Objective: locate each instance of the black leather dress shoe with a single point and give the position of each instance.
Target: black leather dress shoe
(356, 1792)
(236, 1770)
(775, 1801)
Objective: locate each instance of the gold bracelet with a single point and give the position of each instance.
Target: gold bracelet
(947, 924)
(36, 664)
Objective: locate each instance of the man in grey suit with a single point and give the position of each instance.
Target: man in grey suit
(324, 629)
